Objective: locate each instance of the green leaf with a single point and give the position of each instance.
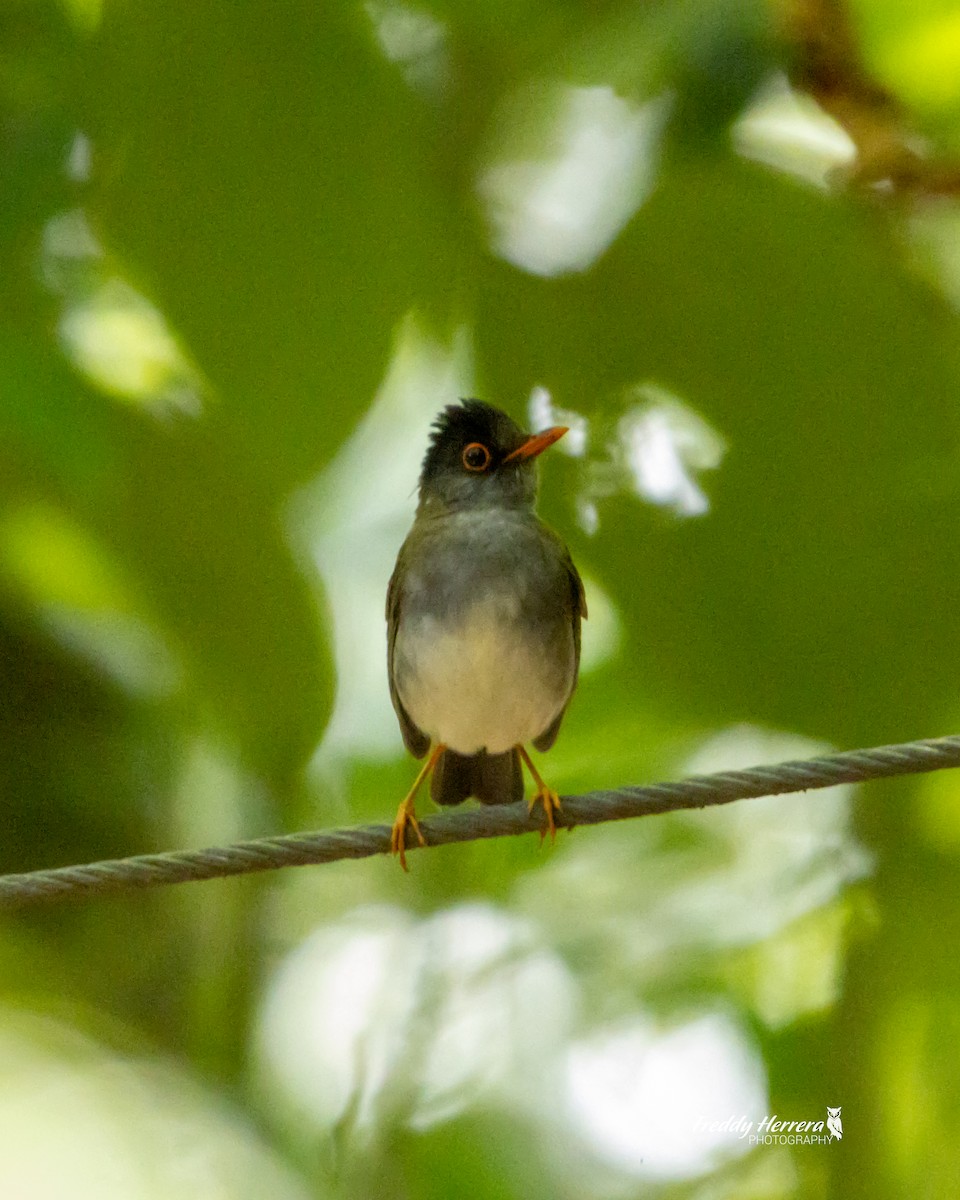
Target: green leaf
(262, 173)
(786, 320)
(200, 543)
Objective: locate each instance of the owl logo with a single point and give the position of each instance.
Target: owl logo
(834, 1124)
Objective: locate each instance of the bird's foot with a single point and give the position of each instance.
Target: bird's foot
(405, 813)
(551, 805)
(546, 796)
(398, 835)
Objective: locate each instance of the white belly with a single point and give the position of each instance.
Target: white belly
(482, 686)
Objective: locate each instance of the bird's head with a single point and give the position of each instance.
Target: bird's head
(479, 457)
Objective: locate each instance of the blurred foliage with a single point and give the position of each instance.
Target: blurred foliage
(248, 250)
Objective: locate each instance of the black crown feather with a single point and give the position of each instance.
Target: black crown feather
(469, 421)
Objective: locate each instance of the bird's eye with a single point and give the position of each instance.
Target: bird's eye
(476, 457)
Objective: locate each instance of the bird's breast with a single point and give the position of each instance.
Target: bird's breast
(484, 673)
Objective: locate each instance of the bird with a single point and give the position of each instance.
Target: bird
(483, 619)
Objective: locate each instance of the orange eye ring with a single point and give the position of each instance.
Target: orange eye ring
(475, 457)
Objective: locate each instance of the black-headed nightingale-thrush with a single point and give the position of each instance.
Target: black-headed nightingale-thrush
(483, 618)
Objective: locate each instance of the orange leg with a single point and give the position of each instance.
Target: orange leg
(406, 814)
(547, 797)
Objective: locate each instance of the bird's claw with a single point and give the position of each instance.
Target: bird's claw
(551, 805)
(398, 835)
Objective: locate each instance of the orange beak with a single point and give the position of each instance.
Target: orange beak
(537, 444)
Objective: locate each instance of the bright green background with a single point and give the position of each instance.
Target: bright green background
(290, 203)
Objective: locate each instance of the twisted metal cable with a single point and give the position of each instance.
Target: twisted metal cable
(593, 808)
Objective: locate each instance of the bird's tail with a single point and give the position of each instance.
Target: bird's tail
(492, 778)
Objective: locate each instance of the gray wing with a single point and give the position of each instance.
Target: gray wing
(578, 611)
(414, 739)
